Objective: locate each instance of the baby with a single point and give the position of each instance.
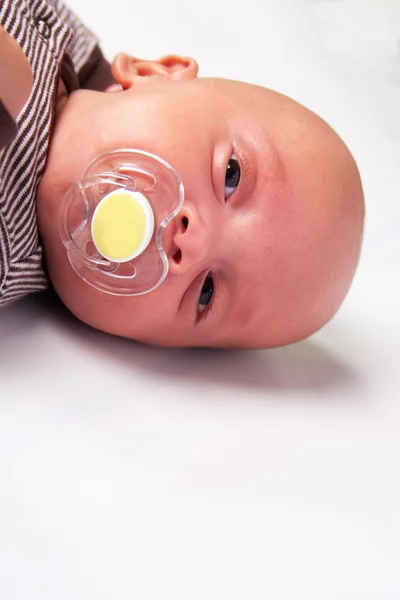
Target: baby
(270, 232)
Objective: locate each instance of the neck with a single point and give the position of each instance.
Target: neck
(62, 98)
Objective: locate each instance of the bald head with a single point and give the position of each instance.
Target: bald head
(320, 230)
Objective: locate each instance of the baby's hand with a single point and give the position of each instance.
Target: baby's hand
(15, 74)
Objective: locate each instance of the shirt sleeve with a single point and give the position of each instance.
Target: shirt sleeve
(92, 69)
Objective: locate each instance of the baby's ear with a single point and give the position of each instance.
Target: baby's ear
(127, 69)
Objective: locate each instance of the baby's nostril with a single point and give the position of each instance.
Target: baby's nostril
(185, 222)
(177, 257)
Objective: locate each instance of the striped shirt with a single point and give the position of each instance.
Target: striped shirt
(56, 44)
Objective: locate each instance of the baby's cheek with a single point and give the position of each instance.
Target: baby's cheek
(115, 87)
(151, 314)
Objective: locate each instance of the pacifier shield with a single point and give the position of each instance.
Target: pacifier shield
(122, 225)
(113, 220)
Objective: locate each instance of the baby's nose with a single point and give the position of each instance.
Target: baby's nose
(191, 242)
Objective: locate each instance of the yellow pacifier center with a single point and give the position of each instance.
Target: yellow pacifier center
(122, 225)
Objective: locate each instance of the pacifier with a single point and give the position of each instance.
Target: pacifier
(113, 221)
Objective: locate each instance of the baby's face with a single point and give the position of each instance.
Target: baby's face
(269, 236)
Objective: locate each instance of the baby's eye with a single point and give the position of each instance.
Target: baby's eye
(232, 176)
(206, 293)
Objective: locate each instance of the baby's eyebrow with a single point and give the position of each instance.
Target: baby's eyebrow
(242, 314)
(239, 311)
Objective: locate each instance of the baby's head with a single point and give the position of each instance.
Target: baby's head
(271, 228)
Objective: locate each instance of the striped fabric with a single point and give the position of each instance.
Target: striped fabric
(45, 31)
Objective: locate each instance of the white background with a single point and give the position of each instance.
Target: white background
(133, 472)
